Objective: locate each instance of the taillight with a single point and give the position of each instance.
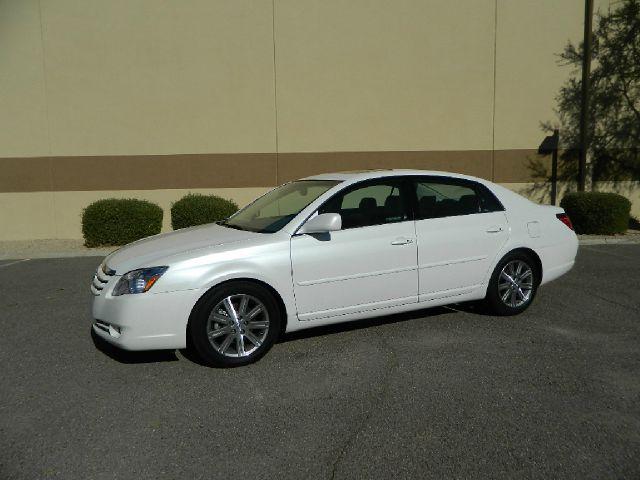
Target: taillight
(564, 218)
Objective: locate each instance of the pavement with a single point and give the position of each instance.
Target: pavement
(441, 393)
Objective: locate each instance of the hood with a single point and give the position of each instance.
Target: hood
(149, 251)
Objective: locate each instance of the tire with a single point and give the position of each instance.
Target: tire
(221, 339)
(507, 298)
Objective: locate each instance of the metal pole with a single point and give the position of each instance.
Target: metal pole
(584, 103)
(554, 167)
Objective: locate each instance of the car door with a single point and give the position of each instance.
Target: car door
(460, 226)
(370, 263)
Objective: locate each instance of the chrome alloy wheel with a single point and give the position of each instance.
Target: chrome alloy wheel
(515, 284)
(238, 325)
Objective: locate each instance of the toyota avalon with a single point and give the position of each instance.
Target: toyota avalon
(326, 249)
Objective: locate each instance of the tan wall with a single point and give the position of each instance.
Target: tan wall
(152, 98)
(143, 77)
(529, 34)
(541, 192)
(23, 123)
(147, 77)
(39, 215)
(379, 75)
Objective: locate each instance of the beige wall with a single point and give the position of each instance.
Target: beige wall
(39, 215)
(23, 124)
(159, 77)
(529, 33)
(379, 75)
(156, 97)
(124, 77)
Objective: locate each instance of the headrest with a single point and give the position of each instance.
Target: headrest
(427, 202)
(368, 203)
(392, 202)
(469, 203)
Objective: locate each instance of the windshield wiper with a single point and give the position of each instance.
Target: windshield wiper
(228, 225)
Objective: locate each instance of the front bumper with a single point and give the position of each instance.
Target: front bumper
(144, 321)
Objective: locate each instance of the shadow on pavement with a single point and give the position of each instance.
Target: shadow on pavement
(124, 356)
(153, 356)
(364, 323)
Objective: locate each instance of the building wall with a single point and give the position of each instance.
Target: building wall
(151, 99)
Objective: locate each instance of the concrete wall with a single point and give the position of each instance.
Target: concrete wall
(152, 99)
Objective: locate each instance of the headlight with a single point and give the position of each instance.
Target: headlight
(138, 281)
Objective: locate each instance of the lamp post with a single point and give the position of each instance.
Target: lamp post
(584, 100)
(550, 146)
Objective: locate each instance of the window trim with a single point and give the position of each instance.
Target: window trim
(404, 187)
(482, 191)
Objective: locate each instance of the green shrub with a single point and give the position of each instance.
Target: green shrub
(597, 212)
(118, 221)
(196, 209)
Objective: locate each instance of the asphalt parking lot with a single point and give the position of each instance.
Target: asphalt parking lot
(444, 393)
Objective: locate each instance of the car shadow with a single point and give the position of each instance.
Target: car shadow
(365, 323)
(124, 356)
(154, 356)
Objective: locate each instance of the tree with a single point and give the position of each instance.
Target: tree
(614, 110)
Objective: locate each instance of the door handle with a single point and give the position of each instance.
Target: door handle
(402, 241)
(494, 229)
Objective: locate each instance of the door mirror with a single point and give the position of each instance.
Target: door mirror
(323, 223)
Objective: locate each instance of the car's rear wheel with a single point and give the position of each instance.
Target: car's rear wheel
(234, 324)
(513, 284)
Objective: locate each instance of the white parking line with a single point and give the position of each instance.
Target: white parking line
(13, 263)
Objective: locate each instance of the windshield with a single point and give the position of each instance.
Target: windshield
(274, 210)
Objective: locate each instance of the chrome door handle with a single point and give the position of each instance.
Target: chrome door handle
(494, 229)
(402, 241)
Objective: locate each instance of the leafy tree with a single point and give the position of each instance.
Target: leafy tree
(614, 109)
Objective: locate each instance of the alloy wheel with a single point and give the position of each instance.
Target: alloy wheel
(515, 283)
(238, 325)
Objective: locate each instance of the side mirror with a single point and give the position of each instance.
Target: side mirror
(323, 223)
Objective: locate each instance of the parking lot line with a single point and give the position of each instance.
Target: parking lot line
(13, 263)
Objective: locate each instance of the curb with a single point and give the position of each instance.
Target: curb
(609, 241)
(98, 252)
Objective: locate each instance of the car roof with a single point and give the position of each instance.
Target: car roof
(356, 175)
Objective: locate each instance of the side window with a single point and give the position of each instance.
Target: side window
(369, 204)
(451, 197)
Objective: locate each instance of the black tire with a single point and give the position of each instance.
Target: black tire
(494, 301)
(199, 325)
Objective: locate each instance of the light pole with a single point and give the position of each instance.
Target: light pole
(550, 146)
(584, 100)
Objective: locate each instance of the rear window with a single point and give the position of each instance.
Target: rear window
(451, 197)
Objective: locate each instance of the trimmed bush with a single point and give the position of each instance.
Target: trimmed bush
(118, 221)
(597, 212)
(196, 209)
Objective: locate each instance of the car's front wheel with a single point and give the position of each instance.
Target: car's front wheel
(513, 284)
(234, 324)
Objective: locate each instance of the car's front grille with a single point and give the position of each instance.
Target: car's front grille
(100, 279)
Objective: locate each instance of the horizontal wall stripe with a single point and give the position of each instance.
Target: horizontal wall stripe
(153, 172)
(296, 165)
(137, 172)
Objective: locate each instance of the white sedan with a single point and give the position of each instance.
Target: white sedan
(326, 249)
